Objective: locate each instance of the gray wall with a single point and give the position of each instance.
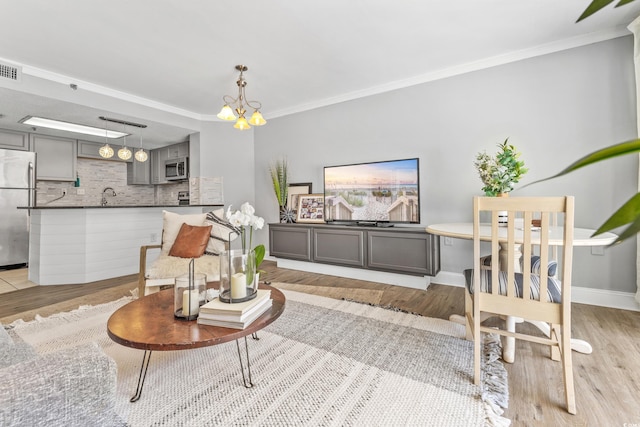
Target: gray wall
(554, 108)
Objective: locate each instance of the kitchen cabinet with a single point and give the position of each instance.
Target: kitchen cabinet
(14, 140)
(56, 157)
(176, 151)
(91, 150)
(139, 173)
(160, 155)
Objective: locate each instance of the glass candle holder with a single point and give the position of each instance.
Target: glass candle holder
(189, 295)
(238, 278)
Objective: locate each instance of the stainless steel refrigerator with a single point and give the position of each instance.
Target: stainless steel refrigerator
(17, 188)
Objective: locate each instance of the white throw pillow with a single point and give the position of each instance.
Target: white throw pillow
(171, 223)
(221, 231)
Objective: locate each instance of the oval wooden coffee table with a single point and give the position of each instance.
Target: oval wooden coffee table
(148, 324)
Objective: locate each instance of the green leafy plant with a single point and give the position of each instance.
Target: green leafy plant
(499, 174)
(629, 213)
(596, 5)
(280, 180)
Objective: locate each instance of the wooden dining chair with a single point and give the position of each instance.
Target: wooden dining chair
(522, 293)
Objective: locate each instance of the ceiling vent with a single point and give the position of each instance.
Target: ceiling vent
(10, 72)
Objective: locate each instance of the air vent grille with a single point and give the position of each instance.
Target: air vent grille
(10, 72)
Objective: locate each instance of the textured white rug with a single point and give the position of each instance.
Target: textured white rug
(324, 362)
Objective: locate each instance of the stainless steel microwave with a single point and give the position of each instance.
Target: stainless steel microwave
(176, 169)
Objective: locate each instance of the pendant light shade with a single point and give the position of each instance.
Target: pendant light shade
(141, 155)
(124, 153)
(226, 114)
(242, 124)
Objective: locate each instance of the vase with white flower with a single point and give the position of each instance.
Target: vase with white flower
(239, 268)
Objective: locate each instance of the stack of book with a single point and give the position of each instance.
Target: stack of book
(236, 315)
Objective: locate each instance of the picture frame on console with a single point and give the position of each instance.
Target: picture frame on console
(310, 208)
(293, 193)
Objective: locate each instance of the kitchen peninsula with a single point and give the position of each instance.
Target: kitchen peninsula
(82, 244)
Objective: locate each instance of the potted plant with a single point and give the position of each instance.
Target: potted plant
(245, 220)
(499, 174)
(280, 180)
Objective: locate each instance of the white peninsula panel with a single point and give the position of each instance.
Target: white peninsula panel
(75, 246)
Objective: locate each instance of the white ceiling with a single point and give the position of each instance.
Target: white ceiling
(179, 56)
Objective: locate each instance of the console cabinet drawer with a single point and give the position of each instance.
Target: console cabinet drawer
(292, 243)
(342, 247)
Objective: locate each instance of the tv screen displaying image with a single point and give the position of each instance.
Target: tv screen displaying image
(375, 192)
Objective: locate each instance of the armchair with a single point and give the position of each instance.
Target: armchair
(178, 241)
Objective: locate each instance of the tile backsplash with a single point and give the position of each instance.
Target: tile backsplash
(95, 176)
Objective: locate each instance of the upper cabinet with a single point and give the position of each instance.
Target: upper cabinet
(91, 150)
(55, 157)
(14, 140)
(160, 155)
(176, 151)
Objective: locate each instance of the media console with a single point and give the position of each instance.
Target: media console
(403, 250)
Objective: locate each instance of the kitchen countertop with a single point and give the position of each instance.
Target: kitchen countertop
(118, 206)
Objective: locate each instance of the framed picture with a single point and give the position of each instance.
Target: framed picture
(294, 191)
(310, 208)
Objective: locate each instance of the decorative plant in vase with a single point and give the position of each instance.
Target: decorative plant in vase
(499, 174)
(245, 221)
(280, 180)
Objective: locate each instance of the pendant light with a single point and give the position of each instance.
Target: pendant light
(106, 151)
(124, 153)
(141, 155)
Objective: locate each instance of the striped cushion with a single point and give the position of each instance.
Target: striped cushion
(553, 285)
(552, 266)
(221, 231)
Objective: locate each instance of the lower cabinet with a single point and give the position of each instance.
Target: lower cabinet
(404, 250)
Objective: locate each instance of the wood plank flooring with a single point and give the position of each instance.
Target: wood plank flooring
(607, 381)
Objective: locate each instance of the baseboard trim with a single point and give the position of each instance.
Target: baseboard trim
(407, 281)
(579, 294)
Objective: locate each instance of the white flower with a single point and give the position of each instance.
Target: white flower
(258, 222)
(247, 209)
(229, 212)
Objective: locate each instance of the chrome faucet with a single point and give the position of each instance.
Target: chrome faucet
(104, 195)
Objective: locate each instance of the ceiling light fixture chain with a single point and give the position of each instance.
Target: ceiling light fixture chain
(240, 103)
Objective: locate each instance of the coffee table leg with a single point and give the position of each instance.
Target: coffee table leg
(248, 384)
(146, 358)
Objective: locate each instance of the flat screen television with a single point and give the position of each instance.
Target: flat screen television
(375, 193)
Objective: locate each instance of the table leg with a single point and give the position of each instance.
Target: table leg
(249, 383)
(146, 358)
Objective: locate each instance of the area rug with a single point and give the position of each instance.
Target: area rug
(324, 362)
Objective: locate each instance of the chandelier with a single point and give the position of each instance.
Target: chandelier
(240, 104)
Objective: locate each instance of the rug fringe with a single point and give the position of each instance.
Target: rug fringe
(495, 386)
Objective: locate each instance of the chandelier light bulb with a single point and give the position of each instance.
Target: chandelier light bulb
(257, 119)
(242, 124)
(226, 114)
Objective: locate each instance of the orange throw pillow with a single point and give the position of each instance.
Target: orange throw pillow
(191, 241)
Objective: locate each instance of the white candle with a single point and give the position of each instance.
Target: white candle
(238, 286)
(195, 304)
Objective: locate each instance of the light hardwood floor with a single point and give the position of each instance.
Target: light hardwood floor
(607, 381)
